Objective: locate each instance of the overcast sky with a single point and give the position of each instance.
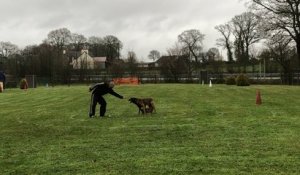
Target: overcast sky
(142, 25)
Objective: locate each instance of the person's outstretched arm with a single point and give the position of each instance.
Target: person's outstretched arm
(112, 92)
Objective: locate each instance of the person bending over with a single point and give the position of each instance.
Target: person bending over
(98, 90)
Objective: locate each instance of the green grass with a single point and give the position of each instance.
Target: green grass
(196, 130)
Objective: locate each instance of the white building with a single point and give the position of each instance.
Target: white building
(85, 61)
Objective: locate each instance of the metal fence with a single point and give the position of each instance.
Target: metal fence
(255, 78)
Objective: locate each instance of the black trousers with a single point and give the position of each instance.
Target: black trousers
(97, 99)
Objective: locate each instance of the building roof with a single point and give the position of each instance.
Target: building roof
(99, 59)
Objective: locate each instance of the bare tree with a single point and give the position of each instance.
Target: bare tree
(95, 40)
(154, 55)
(246, 32)
(131, 57)
(96, 46)
(45, 54)
(225, 42)
(281, 16)
(176, 50)
(10, 59)
(117, 68)
(173, 66)
(215, 59)
(282, 50)
(33, 64)
(78, 41)
(213, 54)
(131, 62)
(7, 49)
(192, 40)
(113, 47)
(59, 38)
(176, 63)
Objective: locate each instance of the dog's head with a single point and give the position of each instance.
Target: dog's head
(136, 101)
(132, 100)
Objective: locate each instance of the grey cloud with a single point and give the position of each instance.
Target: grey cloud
(141, 25)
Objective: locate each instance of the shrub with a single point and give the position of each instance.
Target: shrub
(23, 84)
(230, 81)
(242, 80)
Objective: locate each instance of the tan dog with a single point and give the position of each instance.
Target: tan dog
(145, 105)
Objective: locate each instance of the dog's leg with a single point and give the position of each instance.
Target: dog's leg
(141, 110)
(153, 106)
(150, 110)
(144, 109)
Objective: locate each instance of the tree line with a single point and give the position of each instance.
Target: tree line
(53, 56)
(273, 25)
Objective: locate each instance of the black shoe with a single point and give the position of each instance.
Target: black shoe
(91, 115)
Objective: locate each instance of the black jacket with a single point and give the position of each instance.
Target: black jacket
(102, 89)
(2, 77)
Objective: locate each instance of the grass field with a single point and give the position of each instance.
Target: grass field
(196, 130)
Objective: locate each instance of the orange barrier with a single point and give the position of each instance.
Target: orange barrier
(130, 80)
